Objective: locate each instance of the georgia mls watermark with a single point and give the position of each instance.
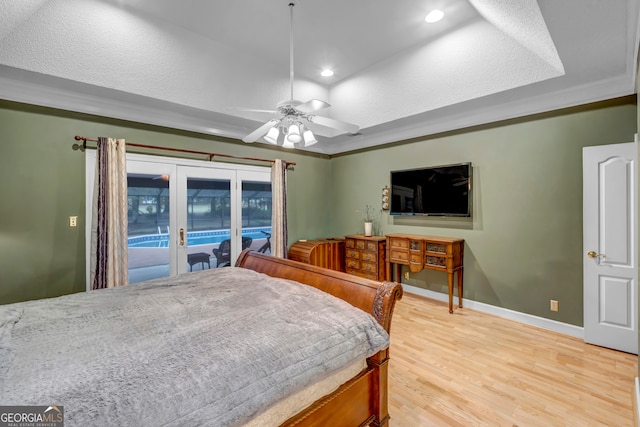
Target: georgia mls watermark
(31, 416)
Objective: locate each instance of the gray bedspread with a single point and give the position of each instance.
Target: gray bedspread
(210, 348)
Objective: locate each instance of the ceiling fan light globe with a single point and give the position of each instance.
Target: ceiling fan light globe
(294, 134)
(287, 143)
(272, 136)
(309, 138)
(294, 139)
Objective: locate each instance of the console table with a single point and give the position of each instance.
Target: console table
(420, 252)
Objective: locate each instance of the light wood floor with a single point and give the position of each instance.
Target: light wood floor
(474, 369)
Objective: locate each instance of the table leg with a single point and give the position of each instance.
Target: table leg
(460, 287)
(450, 283)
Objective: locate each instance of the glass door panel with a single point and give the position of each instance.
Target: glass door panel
(205, 217)
(209, 223)
(256, 215)
(149, 226)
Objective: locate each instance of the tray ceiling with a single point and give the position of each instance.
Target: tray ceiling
(185, 64)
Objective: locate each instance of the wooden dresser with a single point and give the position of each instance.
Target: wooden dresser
(364, 256)
(434, 253)
(327, 253)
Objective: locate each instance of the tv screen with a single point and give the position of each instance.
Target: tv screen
(432, 191)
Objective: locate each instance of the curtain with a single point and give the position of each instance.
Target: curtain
(279, 209)
(109, 267)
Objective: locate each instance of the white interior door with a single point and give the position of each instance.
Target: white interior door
(610, 240)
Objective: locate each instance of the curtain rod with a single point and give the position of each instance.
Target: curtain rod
(84, 140)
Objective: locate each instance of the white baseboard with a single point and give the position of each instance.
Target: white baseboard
(541, 322)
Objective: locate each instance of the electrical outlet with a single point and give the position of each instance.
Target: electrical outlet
(73, 221)
(553, 306)
(406, 275)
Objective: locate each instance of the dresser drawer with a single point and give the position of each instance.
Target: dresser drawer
(370, 267)
(352, 253)
(352, 263)
(398, 255)
(436, 261)
(415, 259)
(369, 256)
(399, 243)
(371, 246)
(436, 247)
(349, 243)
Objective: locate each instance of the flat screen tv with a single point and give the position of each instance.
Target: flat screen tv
(443, 191)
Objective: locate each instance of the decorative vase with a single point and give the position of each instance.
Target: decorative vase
(368, 226)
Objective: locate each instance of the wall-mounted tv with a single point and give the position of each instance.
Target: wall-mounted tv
(432, 191)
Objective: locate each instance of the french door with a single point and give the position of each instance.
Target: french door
(190, 215)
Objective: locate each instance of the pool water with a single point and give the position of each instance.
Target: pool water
(195, 238)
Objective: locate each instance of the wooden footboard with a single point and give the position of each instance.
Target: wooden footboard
(362, 400)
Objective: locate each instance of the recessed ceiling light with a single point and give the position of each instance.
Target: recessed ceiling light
(326, 73)
(434, 16)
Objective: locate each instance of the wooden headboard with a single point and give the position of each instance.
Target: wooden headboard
(377, 299)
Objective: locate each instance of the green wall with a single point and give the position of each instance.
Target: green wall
(524, 243)
(43, 184)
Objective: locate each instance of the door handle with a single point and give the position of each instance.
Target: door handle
(182, 237)
(593, 254)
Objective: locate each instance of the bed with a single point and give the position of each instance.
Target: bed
(247, 345)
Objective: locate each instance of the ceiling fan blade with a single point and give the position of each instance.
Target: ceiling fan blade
(253, 136)
(253, 110)
(336, 124)
(311, 106)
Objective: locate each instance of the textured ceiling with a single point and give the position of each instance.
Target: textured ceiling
(184, 64)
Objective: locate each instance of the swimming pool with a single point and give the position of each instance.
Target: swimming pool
(194, 238)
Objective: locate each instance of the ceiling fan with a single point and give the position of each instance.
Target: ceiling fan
(296, 119)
